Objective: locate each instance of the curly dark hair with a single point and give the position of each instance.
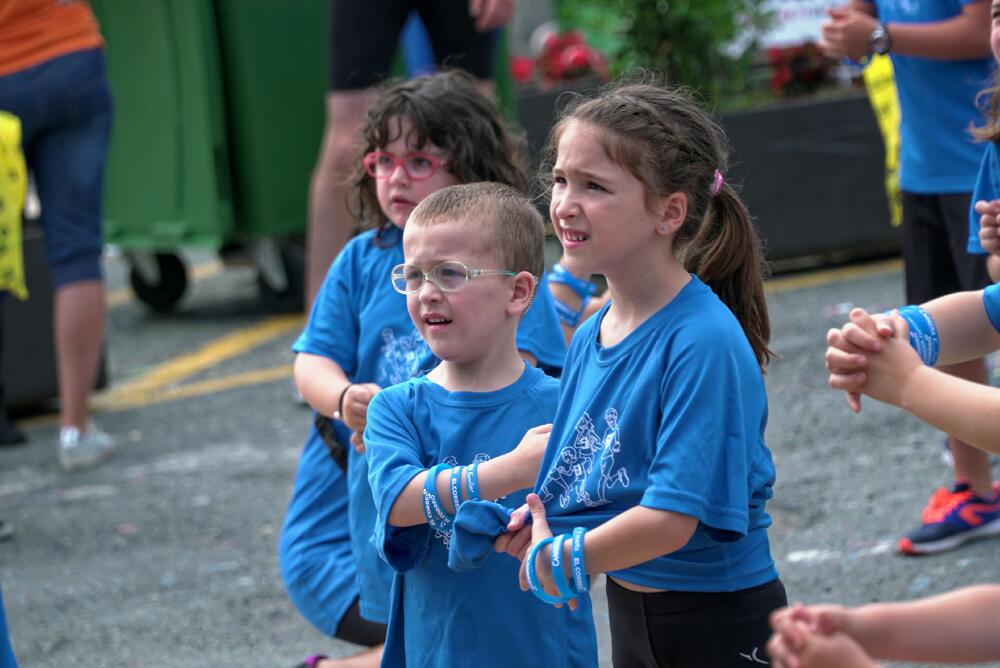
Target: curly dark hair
(448, 110)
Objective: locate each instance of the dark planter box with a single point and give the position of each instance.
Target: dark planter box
(811, 173)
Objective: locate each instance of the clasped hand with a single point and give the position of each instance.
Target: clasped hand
(519, 540)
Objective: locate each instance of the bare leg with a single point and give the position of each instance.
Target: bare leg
(971, 464)
(369, 658)
(79, 334)
(330, 221)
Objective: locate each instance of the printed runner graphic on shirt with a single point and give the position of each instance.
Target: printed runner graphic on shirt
(402, 357)
(574, 476)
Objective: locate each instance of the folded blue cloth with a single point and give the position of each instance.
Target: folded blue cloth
(477, 525)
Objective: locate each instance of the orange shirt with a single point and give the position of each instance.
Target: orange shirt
(33, 31)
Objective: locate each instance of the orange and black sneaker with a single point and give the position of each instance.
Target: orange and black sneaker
(953, 517)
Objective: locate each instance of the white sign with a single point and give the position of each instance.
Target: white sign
(796, 21)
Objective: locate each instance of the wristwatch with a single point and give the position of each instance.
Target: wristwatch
(879, 41)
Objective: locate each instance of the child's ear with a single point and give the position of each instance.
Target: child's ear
(523, 295)
(671, 212)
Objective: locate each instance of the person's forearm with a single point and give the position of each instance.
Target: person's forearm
(957, 627)
(969, 411)
(964, 329)
(495, 478)
(321, 381)
(634, 537)
(962, 37)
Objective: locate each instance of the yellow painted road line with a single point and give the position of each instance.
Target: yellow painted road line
(199, 272)
(817, 278)
(159, 395)
(211, 354)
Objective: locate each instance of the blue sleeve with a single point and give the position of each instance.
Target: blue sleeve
(540, 333)
(702, 461)
(333, 326)
(991, 300)
(985, 189)
(7, 659)
(392, 449)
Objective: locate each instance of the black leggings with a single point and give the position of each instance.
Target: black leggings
(356, 629)
(677, 629)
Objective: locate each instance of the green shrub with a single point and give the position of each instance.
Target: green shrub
(705, 44)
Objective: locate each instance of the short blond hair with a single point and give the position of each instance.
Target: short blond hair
(506, 221)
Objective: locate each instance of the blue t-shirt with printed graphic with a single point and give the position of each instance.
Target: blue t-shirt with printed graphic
(671, 418)
(937, 105)
(988, 189)
(440, 617)
(360, 322)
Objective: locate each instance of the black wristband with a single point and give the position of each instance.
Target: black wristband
(339, 414)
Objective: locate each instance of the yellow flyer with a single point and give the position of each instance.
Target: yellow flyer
(881, 85)
(13, 185)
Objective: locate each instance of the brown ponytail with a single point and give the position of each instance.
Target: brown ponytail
(726, 255)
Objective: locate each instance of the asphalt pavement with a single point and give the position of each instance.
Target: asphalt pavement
(165, 555)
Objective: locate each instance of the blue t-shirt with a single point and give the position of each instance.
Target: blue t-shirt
(671, 418)
(937, 105)
(478, 618)
(360, 322)
(991, 301)
(987, 188)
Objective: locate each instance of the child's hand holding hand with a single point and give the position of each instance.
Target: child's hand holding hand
(355, 412)
(543, 561)
(815, 637)
(989, 225)
(847, 358)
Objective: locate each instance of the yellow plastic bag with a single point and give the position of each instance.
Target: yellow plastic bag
(881, 84)
(13, 185)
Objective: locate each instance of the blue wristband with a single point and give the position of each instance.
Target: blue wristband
(581, 583)
(434, 512)
(532, 574)
(560, 274)
(472, 481)
(558, 571)
(923, 333)
(455, 486)
(568, 316)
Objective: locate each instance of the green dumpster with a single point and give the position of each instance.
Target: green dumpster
(219, 111)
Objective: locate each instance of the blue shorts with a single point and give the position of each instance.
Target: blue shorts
(65, 109)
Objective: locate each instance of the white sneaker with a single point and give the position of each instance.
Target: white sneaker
(79, 450)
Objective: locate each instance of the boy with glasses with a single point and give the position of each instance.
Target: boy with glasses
(473, 256)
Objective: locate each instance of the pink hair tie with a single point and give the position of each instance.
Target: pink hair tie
(716, 186)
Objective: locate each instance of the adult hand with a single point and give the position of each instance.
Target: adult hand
(543, 560)
(490, 14)
(845, 34)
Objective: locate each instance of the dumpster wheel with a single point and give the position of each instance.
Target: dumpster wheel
(158, 280)
(281, 274)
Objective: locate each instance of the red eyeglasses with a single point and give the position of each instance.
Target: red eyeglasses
(417, 165)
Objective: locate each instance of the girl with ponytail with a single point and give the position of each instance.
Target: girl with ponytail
(656, 470)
